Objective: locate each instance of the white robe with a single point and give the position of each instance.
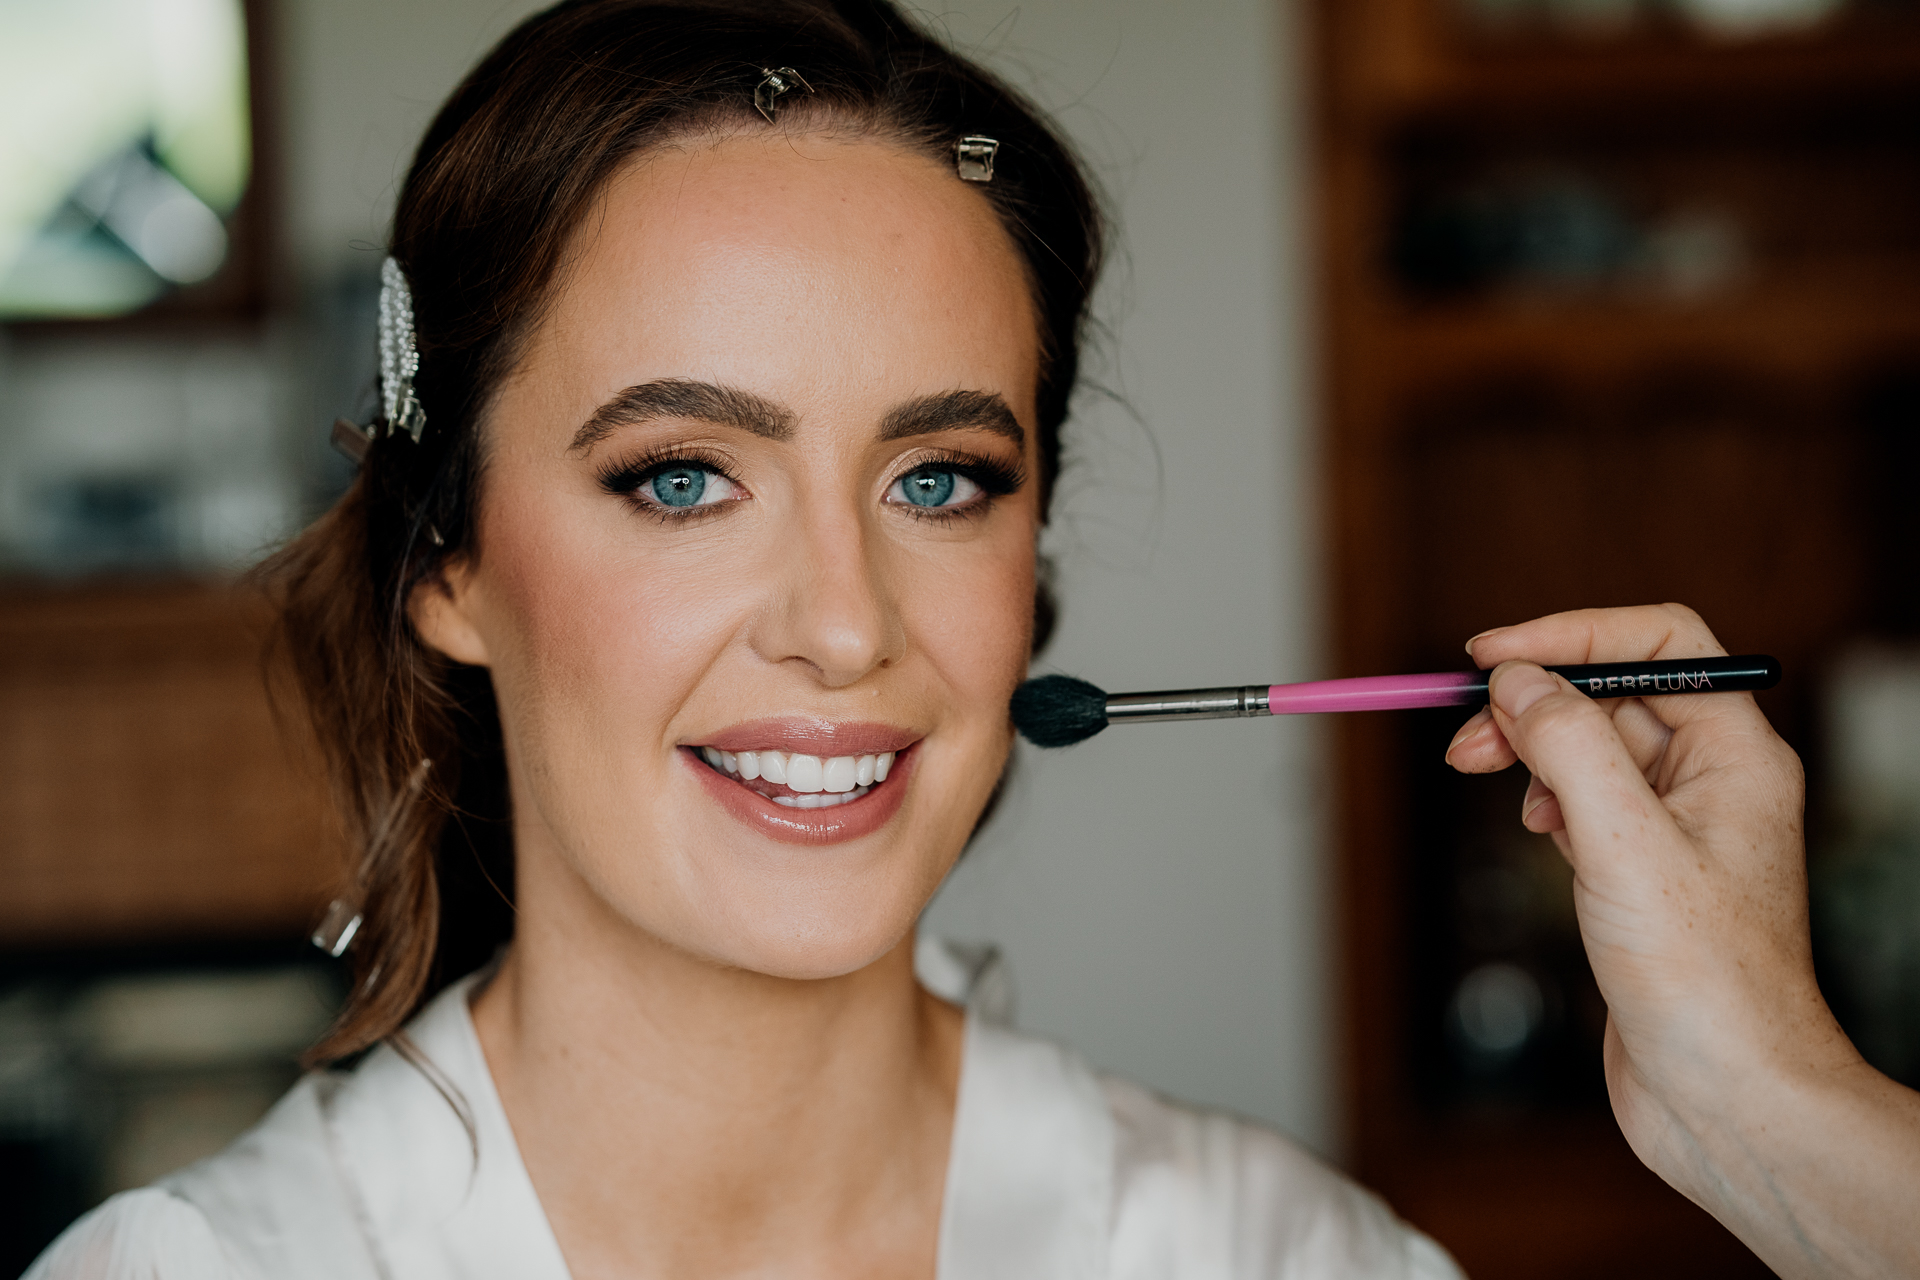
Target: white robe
(1055, 1172)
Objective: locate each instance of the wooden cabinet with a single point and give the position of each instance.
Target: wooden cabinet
(148, 793)
(1612, 319)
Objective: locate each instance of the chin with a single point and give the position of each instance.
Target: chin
(811, 935)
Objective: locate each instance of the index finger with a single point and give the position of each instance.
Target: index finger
(1640, 634)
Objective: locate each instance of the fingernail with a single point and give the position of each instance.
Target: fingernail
(1517, 686)
(1471, 728)
(1491, 631)
(1527, 811)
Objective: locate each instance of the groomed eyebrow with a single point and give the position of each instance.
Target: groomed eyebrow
(730, 407)
(681, 398)
(953, 411)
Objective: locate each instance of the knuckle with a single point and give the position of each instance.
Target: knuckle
(1791, 770)
(1561, 717)
(1686, 627)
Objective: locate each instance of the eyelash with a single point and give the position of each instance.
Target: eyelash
(625, 479)
(996, 480)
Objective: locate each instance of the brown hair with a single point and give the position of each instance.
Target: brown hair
(504, 175)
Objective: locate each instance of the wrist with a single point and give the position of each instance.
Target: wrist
(1713, 1112)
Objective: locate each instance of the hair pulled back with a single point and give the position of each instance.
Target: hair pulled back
(503, 177)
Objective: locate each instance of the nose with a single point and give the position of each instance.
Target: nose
(830, 609)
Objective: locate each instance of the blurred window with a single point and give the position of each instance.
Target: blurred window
(124, 146)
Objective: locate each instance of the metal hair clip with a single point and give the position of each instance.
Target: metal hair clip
(351, 440)
(399, 354)
(973, 157)
(775, 81)
(336, 929)
(341, 924)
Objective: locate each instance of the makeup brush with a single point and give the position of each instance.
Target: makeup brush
(1058, 711)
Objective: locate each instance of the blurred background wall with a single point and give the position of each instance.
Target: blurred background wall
(1425, 316)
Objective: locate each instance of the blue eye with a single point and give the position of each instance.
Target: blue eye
(680, 487)
(684, 485)
(933, 487)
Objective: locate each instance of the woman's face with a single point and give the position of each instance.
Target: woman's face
(762, 492)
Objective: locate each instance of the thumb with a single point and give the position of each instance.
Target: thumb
(1574, 749)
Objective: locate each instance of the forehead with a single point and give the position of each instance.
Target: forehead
(784, 263)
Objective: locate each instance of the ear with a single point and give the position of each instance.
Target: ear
(442, 611)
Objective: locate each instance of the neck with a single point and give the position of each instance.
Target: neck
(682, 1117)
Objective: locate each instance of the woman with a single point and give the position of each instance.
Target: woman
(745, 332)
(1682, 820)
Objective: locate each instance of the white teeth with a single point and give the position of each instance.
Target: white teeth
(820, 801)
(838, 776)
(804, 773)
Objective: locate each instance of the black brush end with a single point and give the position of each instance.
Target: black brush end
(1058, 711)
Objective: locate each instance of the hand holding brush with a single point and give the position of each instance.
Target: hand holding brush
(1058, 711)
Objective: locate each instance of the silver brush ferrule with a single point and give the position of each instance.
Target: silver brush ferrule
(1189, 704)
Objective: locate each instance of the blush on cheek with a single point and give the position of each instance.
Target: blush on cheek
(593, 649)
(592, 610)
(979, 629)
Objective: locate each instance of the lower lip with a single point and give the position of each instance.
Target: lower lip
(849, 821)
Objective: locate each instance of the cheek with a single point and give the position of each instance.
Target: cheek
(597, 634)
(972, 616)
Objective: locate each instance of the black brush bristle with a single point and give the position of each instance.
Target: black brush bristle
(1058, 711)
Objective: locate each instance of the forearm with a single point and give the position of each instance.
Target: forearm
(1817, 1170)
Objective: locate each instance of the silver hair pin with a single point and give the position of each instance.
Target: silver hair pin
(973, 157)
(341, 924)
(775, 81)
(352, 440)
(399, 354)
(336, 929)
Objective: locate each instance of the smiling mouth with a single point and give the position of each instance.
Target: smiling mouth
(800, 781)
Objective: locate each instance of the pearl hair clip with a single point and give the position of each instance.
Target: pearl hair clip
(399, 354)
(973, 157)
(399, 366)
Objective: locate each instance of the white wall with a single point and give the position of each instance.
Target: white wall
(1159, 890)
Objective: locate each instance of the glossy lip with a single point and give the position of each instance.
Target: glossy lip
(808, 826)
(821, 738)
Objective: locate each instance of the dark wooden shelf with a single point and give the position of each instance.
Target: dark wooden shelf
(1853, 61)
(1814, 327)
(1560, 1196)
(1512, 449)
(148, 792)
(1435, 66)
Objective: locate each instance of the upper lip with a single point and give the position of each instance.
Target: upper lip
(807, 736)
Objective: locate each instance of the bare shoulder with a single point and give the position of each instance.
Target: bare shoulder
(149, 1234)
(1210, 1193)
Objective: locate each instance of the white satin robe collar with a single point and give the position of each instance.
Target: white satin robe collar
(1029, 1181)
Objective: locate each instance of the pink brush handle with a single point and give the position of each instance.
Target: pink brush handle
(1711, 674)
(1379, 693)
